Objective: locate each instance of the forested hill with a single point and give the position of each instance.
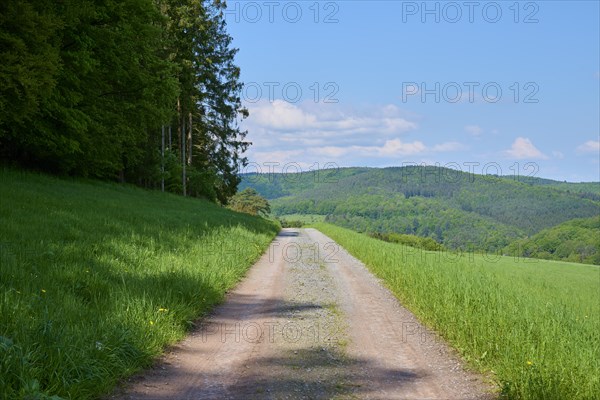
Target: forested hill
(576, 240)
(590, 190)
(458, 209)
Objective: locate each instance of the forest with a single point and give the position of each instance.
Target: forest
(138, 91)
(576, 240)
(458, 210)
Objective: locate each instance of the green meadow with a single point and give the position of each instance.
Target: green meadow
(97, 278)
(533, 325)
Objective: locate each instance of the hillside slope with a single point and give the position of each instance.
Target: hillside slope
(577, 240)
(590, 190)
(458, 209)
(276, 185)
(96, 278)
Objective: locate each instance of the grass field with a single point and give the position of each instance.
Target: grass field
(533, 324)
(97, 278)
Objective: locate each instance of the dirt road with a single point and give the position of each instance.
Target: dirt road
(309, 322)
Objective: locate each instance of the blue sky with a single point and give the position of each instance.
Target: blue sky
(477, 85)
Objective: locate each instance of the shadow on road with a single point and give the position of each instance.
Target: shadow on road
(315, 367)
(286, 233)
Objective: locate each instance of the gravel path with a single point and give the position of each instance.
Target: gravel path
(308, 322)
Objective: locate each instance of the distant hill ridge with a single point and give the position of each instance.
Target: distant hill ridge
(462, 210)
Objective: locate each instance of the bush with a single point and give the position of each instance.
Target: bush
(425, 243)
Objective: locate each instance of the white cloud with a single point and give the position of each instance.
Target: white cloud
(282, 117)
(307, 133)
(523, 148)
(396, 147)
(558, 154)
(330, 151)
(591, 146)
(391, 148)
(448, 146)
(474, 130)
(266, 158)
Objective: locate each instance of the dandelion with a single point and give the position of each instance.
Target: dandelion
(163, 310)
(530, 363)
(151, 322)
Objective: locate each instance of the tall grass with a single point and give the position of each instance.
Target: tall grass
(535, 324)
(97, 278)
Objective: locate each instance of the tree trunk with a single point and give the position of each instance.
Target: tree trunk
(189, 139)
(162, 159)
(179, 124)
(183, 159)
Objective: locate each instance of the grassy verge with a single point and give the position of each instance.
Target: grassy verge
(97, 278)
(534, 323)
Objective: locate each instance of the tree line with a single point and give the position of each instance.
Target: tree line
(140, 91)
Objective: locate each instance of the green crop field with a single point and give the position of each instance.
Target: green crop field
(97, 278)
(532, 324)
